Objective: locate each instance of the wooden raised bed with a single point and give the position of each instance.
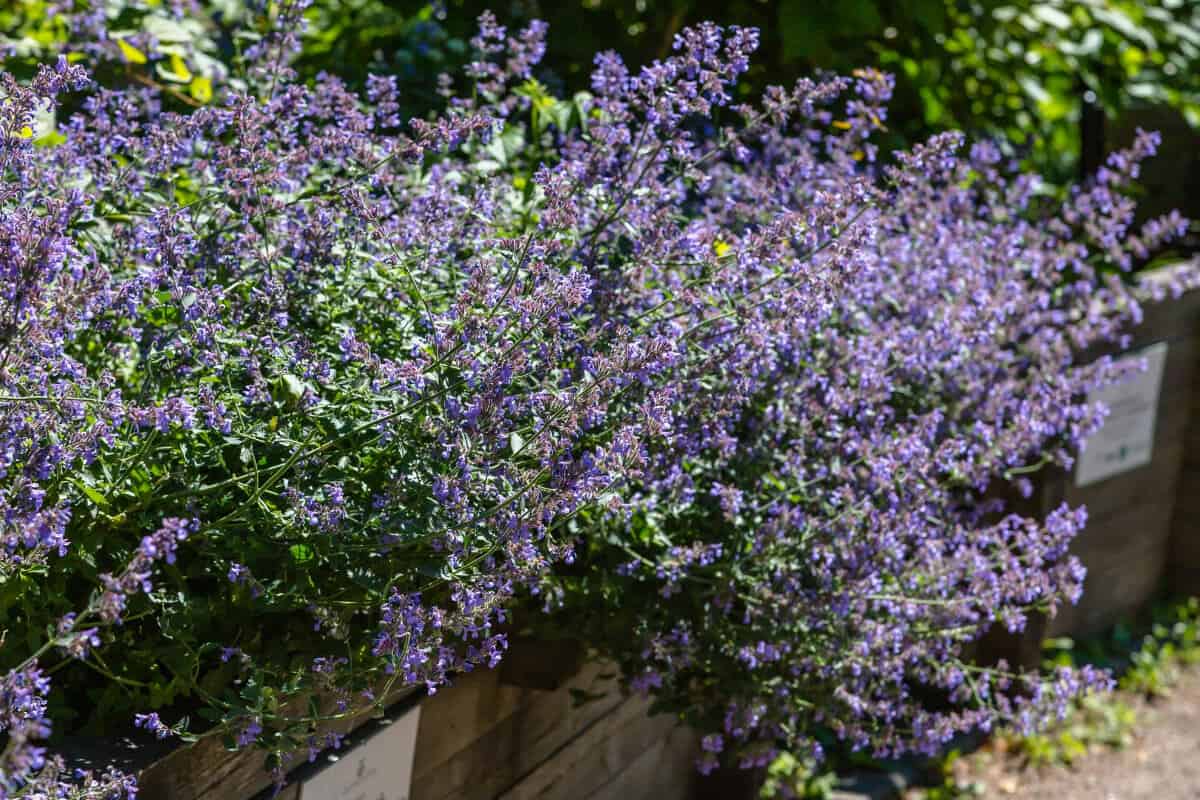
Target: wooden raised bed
(514, 733)
(1144, 522)
(1132, 521)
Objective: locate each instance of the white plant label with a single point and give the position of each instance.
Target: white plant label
(1126, 440)
(379, 768)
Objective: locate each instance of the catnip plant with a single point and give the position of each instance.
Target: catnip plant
(295, 396)
(824, 539)
(298, 397)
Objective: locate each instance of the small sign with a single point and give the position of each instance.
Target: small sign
(380, 768)
(1126, 440)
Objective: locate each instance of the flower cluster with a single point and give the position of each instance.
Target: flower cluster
(337, 368)
(388, 376)
(874, 358)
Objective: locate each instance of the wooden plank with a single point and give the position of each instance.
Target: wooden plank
(1151, 485)
(666, 771)
(459, 714)
(207, 771)
(593, 758)
(1125, 556)
(479, 701)
(477, 737)
(290, 792)
(1136, 518)
(539, 663)
(1183, 571)
(499, 755)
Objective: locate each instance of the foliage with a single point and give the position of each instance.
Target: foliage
(1145, 654)
(1017, 70)
(344, 361)
(951, 785)
(1173, 642)
(176, 48)
(1095, 722)
(792, 778)
(1025, 70)
(1021, 71)
(297, 395)
(355, 38)
(1148, 666)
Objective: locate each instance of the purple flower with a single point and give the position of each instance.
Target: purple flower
(152, 723)
(249, 733)
(754, 380)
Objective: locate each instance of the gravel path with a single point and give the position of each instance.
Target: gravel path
(1163, 763)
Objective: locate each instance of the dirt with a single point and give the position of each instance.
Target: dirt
(1162, 763)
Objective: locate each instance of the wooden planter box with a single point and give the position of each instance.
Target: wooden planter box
(514, 733)
(1143, 524)
(1143, 528)
(1133, 525)
(487, 738)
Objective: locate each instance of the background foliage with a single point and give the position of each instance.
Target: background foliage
(1041, 75)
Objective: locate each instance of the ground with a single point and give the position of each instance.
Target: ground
(1162, 763)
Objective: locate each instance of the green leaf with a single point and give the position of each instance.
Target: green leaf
(52, 139)
(1089, 45)
(294, 387)
(507, 145)
(131, 53)
(802, 34)
(1120, 22)
(166, 30)
(583, 103)
(93, 495)
(1053, 17)
(177, 72)
(559, 113)
(200, 89)
(1033, 89)
(301, 553)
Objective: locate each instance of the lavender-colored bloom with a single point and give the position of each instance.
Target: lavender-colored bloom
(777, 375)
(152, 723)
(249, 733)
